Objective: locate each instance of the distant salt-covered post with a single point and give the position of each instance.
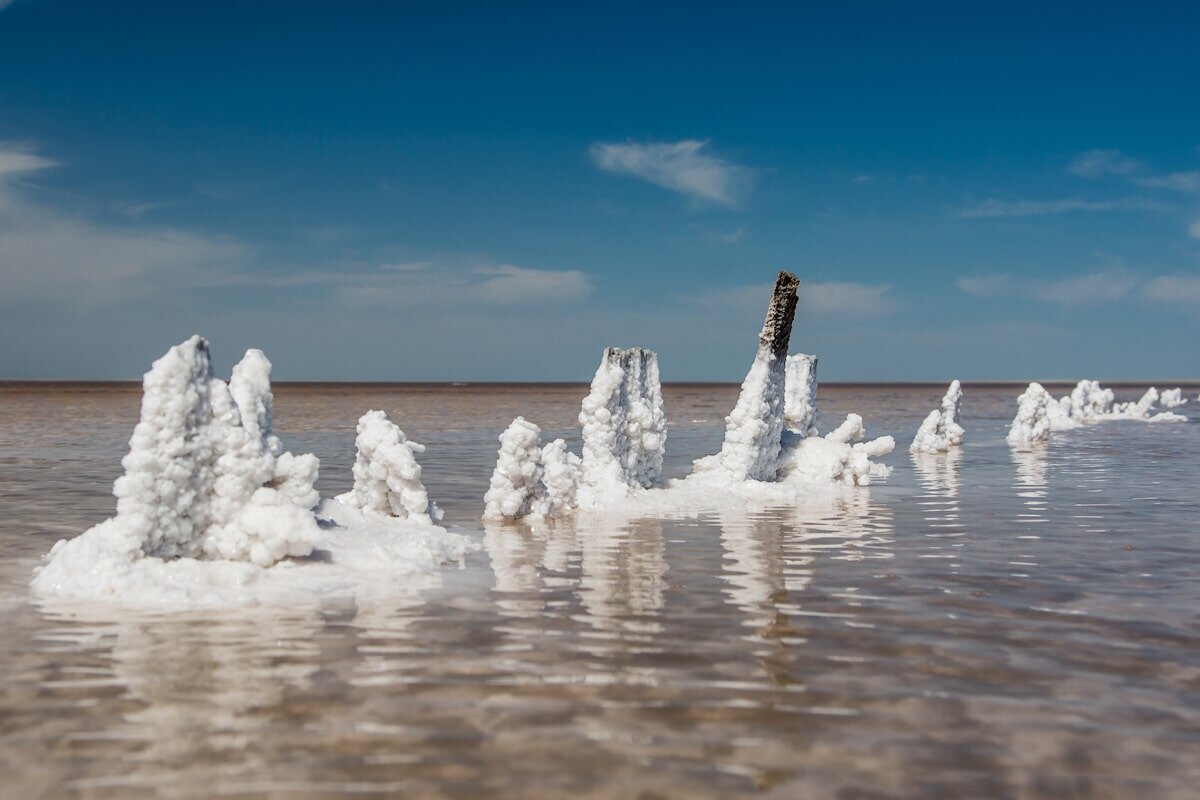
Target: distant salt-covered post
(754, 429)
(941, 430)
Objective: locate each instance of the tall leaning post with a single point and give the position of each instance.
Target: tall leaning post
(777, 327)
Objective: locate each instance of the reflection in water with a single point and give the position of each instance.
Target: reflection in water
(622, 569)
(938, 476)
(1031, 482)
(195, 689)
(624, 575)
(770, 558)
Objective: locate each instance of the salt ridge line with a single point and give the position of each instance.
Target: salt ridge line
(212, 511)
(1038, 413)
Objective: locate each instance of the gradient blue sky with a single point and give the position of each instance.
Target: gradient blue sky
(385, 191)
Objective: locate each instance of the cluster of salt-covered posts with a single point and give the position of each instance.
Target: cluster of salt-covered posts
(207, 480)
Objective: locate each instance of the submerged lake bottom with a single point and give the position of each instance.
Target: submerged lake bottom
(988, 624)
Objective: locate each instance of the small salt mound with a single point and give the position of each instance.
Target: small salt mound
(940, 431)
(516, 488)
(387, 477)
(841, 456)
(800, 394)
(1172, 398)
(1032, 423)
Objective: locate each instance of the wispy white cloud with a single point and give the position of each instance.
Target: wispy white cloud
(68, 261)
(1106, 286)
(1031, 208)
(5, 3)
(508, 284)
(450, 285)
(815, 297)
(688, 167)
(1181, 290)
(1194, 229)
(1102, 163)
(1187, 182)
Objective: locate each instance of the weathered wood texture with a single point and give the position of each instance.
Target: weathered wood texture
(777, 328)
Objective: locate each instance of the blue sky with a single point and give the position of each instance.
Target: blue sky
(469, 191)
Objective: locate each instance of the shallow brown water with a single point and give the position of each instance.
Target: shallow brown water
(990, 626)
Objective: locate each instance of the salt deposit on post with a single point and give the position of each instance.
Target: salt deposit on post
(754, 429)
(1032, 423)
(210, 508)
(940, 431)
(1038, 413)
(624, 439)
(1172, 398)
(516, 488)
(800, 394)
(624, 425)
(200, 484)
(387, 477)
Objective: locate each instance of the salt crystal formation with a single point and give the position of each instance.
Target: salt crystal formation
(387, 477)
(624, 424)
(800, 394)
(1172, 398)
(204, 477)
(1038, 413)
(1032, 423)
(941, 430)
(624, 439)
(754, 429)
(841, 456)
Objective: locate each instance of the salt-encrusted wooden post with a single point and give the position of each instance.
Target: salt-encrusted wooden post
(777, 328)
(754, 429)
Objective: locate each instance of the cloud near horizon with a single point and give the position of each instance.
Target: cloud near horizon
(687, 167)
(1105, 286)
(1031, 208)
(64, 260)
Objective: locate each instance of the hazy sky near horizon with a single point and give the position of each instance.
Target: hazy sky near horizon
(386, 191)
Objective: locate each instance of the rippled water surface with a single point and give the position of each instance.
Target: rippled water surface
(988, 625)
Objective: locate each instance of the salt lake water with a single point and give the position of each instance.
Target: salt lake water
(991, 624)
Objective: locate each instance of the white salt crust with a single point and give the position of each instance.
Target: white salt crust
(941, 430)
(211, 510)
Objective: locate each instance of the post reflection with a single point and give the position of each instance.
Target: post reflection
(196, 688)
(771, 558)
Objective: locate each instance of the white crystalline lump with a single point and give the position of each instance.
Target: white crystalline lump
(1032, 423)
(624, 424)
(940, 431)
(250, 386)
(1171, 398)
(800, 394)
(387, 477)
(754, 429)
(516, 484)
(198, 483)
(531, 480)
(1088, 401)
(560, 478)
(839, 457)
